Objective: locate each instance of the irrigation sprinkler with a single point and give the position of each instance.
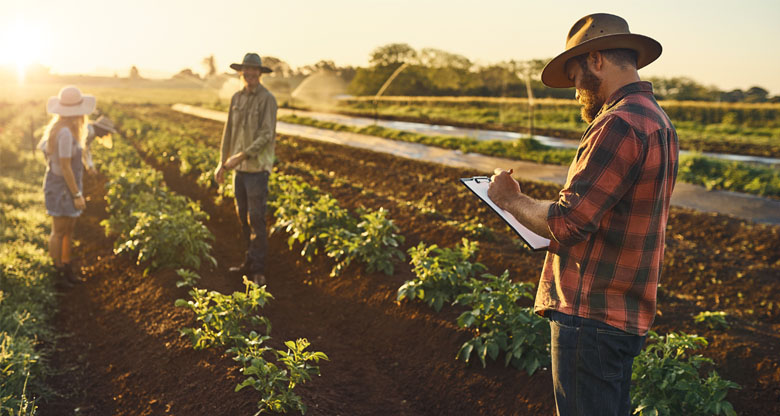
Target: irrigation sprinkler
(384, 87)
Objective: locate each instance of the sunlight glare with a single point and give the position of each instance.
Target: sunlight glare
(22, 46)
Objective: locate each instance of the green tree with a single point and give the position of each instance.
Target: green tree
(392, 54)
(756, 95)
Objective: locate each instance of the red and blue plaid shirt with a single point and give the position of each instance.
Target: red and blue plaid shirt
(609, 222)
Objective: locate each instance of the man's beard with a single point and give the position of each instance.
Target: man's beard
(589, 96)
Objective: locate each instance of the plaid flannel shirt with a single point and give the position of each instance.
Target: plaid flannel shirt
(609, 222)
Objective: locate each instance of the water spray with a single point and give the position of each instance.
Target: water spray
(384, 87)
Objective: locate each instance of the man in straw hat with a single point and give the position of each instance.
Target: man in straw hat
(599, 281)
(248, 148)
(99, 130)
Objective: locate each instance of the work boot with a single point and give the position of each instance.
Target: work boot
(62, 276)
(258, 278)
(71, 276)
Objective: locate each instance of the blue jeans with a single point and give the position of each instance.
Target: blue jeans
(591, 366)
(251, 190)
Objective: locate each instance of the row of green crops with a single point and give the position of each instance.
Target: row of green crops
(162, 229)
(27, 299)
(227, 321)
(492, 303)
(153, 225)
(709, 127)
(310, 217)
(665, 377)
(445, 275)
(27, 293)
(751, 114)
(317, 222)
(697, 169)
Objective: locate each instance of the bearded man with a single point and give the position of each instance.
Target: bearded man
(606, 229)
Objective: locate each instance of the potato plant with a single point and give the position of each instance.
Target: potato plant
(372, 241)
(275, 383)
(225, 319)
(666, 379)
(713, 320)
(442, 273)
(503, 325)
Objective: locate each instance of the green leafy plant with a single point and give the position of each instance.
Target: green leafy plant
(227, 321)
(276, 382)
(442, 273)
(666, 379)
(502, 325)
(188, 277)
(172, 238)
(225, 318)
(713, 320)
(373, 242)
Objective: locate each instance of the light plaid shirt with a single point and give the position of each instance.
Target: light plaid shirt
(251, 128)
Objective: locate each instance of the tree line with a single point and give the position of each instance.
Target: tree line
(434, 72)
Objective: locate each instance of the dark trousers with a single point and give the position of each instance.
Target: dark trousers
(251, 189)
(591, 366)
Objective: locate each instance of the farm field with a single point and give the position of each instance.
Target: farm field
(120, 351)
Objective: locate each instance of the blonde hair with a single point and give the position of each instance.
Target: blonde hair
(76, 124)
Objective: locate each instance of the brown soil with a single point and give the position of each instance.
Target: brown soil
(122, 354)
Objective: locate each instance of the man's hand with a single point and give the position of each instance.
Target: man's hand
(234, 161)
(219, 174)
(503, 188)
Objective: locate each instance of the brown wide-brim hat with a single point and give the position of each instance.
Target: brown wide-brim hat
(596, 32)
(71, 102)
(252, 60)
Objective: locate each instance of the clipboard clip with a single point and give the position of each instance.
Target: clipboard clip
(481, 179)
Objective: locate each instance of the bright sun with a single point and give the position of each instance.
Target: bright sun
(22, 44)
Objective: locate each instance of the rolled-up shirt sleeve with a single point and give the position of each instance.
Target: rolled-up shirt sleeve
(604, 170)
(267, 131)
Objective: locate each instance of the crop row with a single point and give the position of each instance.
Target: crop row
(27, 292)
(161, 229)
(750, 129)
(491, 302)
(758, 114)
(697, 169)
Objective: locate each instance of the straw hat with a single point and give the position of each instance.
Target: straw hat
(71, 102)
(105, 123)
(596, 32)
(252, 59)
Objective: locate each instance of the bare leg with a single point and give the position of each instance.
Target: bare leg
(58, 229)
(67, 240)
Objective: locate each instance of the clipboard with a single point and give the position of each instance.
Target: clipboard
(479, 186)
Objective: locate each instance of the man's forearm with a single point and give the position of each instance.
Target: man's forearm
(532, 213)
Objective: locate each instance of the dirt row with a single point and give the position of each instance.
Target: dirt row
(123, 354)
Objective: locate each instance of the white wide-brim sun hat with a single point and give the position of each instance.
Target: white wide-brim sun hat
(71, 102)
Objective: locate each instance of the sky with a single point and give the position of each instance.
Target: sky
(728, 44)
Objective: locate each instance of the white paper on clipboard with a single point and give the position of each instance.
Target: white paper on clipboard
(479, 186)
